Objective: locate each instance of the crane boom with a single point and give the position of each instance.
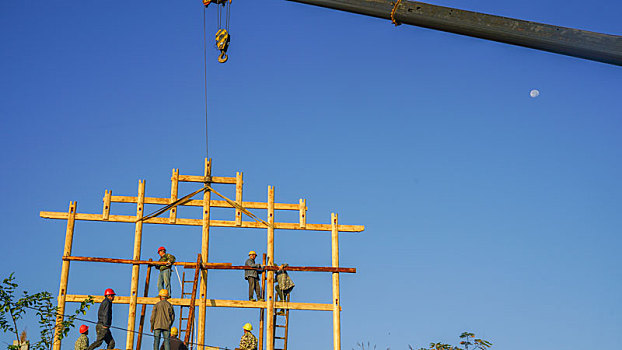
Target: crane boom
(593, 46)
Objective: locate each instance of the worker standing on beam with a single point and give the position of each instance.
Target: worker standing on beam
(164, 279)
(248, 341)
(83, 340)
(162, 318)
(104, 321)
(252, 276)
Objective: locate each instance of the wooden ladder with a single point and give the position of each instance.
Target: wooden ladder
(283, 324)
(189, 330)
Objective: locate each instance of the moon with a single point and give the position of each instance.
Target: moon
(534, 93)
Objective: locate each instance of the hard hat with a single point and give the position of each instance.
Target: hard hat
(248, 327)
(252, 252)
(84, 328)
(174, 331)
(109, 291)
(163, 293)
(161, 248)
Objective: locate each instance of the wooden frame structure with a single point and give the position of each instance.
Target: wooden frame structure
(207, 203)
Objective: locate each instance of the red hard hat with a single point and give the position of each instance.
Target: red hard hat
(161, 248)
(109, 291)
(84, 328)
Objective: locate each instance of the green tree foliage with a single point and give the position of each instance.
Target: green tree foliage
(468, 342)
(14, 309)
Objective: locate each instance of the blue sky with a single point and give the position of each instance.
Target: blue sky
(485, 209)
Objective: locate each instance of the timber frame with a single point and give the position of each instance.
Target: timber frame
(240, 207)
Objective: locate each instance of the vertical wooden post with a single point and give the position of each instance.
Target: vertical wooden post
(336, 298)
(238, 197)
(261, 311)
(270, 284)
(138, 236)
(204, 256)
(64, 275)
(143, 309)
(174, 187)
(302, 212)
(106, 211)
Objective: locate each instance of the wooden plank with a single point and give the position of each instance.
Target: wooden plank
(213, 179)
(174, 188)
(242, 304)
(302, 213)
(143, 309)
(336, 297)
(199, 222)
(64, 274)
(270, 279)
(106, 211)
(199, 203)
(138, 238)
(149, 262)
(238, 197)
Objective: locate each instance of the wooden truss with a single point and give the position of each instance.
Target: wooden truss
(207, 203)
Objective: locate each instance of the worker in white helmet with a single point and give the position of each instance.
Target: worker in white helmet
(252, 276)
(162, 317)
(248, 341)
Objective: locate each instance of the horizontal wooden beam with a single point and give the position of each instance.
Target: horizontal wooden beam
(199, 203)
(199, 222)
(245, 304)
(213, 179)
(211, 266)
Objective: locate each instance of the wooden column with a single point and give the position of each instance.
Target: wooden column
(64, 275)
(238, 197)
(174, 187)
(138, 237)
(270, 285)
(204, 256)
(336, 298)
(262, 311)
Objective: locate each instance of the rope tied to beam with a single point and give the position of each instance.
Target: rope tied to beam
(396, 4)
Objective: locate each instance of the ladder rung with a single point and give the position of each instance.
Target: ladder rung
(279, 338)
(278, 325)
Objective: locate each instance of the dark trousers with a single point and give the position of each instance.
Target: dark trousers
(253, 284)
(103, 334)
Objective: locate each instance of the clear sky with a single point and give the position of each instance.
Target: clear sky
(485, 209)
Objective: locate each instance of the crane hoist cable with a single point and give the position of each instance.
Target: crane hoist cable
(222, 34)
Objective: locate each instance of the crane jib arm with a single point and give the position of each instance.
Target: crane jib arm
(566, 41)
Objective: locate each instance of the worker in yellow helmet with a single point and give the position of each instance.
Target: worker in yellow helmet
(162, 317)
(248, 341)
(252, 276)
(176, 343)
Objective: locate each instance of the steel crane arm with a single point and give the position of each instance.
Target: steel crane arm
(566, 41)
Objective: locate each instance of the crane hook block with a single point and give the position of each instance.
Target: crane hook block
(218, 2)
(222, 43)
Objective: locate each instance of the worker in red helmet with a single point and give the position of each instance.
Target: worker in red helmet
(164, 279)
(83, 340)
(104, 321)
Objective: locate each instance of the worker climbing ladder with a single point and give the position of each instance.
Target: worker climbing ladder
(241, 211)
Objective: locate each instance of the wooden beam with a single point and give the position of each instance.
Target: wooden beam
(242, 304)
(212, 179)
(138, 238)
(199, 222)
(270, 280)
(336, 297)
(199, 203)
(174, 188)
(64, 274)
(143, 262)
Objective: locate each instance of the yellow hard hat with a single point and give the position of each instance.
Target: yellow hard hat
(174, 331)
(252, 252)
(163, 293)
(248, 327)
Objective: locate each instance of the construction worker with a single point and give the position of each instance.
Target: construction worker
(164, 279)
(252, 276)
(284, 285)
(83, 340)
(104, 320)
(176, 343)
(162, 317)
(248, 341)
